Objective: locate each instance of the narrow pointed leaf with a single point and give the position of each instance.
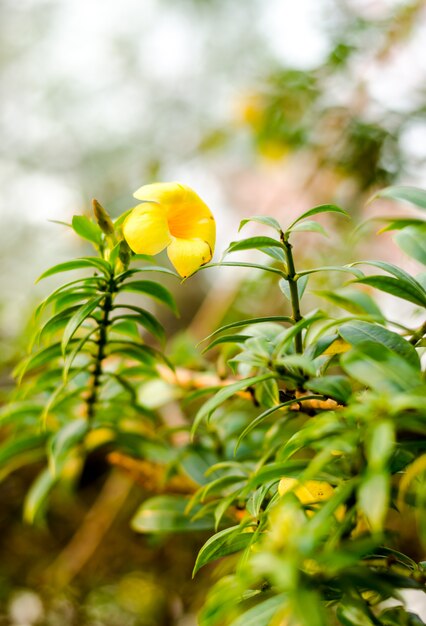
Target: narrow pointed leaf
(236, 339)
(260, 219)
(251, 243)
(149, 268)
(301, 286)
(167, 514)
(262, 613)
(227, 541)
(66, 438)
(86, 229)
(145, 319)
(322, 208)
(249, 322)
(395, 286)
(412, 240)
(264, 268)
(224, 394)
(414, 195)
(332, 268)
(309, 226)
(357, 332)
(83, 263)
(153, 290)
(77, 319)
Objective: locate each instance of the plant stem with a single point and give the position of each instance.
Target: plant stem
(103, 323)
(294, 293)
(418, 334)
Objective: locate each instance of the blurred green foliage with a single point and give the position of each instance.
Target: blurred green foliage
(69, 135)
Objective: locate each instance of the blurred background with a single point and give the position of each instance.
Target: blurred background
(263, 108)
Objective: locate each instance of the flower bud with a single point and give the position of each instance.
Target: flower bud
(102, 217)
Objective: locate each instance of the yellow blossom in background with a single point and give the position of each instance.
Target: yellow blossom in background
(308, 493)
(172, 216)
(311, 493)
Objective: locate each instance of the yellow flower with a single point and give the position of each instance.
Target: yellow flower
(172, 216)
(310, 493)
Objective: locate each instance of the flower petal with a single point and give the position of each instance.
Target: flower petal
(187, 255)
(146, 230)
(187, 215)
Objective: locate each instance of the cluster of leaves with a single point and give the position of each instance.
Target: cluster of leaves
(78, 386)
(289, 112)
(335, 405)
(302, 463)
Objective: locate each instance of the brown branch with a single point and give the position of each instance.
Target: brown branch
(190, 380)
(92, 531)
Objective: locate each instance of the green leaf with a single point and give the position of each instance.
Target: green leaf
(85, 262)
(262, 613)
(227, 541)
(332, 268)
(57, 322)
(275, 253)
(86, 229)
(399, 223)
(412, 240)
(149, 268)
(77, 348)
(254, 320)
(295, 363)
(336, 387)
(325, 425)
(224, 394)
(301, 286)
(398, 273)
(308, 607)
(64, 440)
(377, 367)
(145, 319)
(251, 243)
(138, 352)
(357, 332)
(222, 484)
(260, 219)
(414, 195)
(264, 268)
(119, 221)
(396, 287)
(37, 360)
(96, 281)
(309, 226)
(166, 514)
(126, 327)
(260, 418)
(380, 444)
(288, 335)
(354, 612)
(236, 339)
(17, 411)
(273, 472)
(60, 222)
(17, 445)
(399, 616)
(322, 208)
(153, 290)
(36, 497)
(354, 301)
(77, 319)
(373, 498)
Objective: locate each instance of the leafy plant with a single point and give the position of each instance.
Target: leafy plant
(306, 462)
(320, 439)
(77, 387)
